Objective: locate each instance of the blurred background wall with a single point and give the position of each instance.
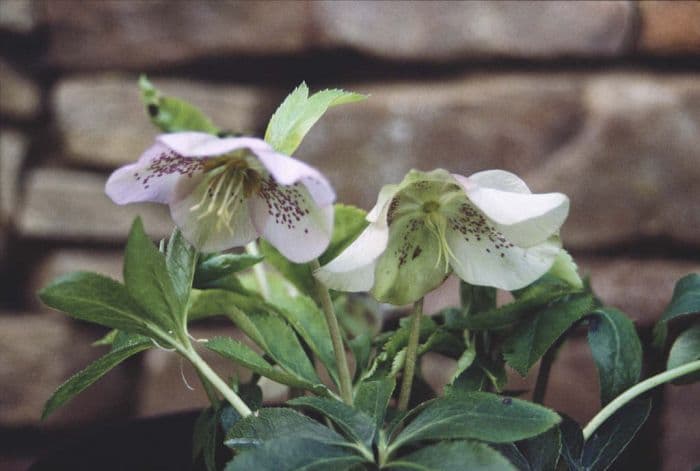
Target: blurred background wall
(599, 100)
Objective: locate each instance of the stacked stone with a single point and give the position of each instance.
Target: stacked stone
(596, 99)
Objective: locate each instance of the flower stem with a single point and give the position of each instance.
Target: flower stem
(259, 271)
(635, 391)
(411, 354)
(336, 337)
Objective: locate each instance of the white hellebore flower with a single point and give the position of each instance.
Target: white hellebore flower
(225, 192)
(488, 228)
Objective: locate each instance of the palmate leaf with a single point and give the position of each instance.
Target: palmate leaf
(357, 425)
(299, 112)
(453, 456)
(84, 378)
(617, 351)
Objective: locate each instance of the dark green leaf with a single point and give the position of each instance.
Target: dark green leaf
(372, 398)
(204, 438)
(514, 455)
(299, 112)
(293, 453)
(571, 443)
(542, 452)
(685, 349)
(533, 337)
(148, 282)
(95, 298)
(217, 266)
(480, 416)
(84, 378)
(606, 443)
(348, 222)
(684, 302)
(453, 456)
(180, 260)
(476, 298)
(361, 347)
(299, 274)
(244, 355)
(172, 114)
(357, 425)
(617, 351)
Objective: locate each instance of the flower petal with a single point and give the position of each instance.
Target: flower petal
(379, 212)
(153, 177)
(353, 269)
(525, 218)
(498, 180)
(482, 262)
(199, 144)
(288, 170)
(289, 218)
(208, 231)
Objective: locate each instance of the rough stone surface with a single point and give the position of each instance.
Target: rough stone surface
(63, 261)
(148, 34)
(19, 96)
(13, 147)
(681, 427)
(632, 171)
(670, 27)
(19, 16)
(71, 205)
(39, 352)
(441, 31)
(103, 123)
(167, 379)
(511, 122)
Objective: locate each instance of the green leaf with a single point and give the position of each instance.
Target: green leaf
(361, 347)
(476, 298)
(684, 302)
(299, 112)
(180, 261)
(542, 452)
(565, 269)
(84, 378)
(617, 351)
(246, 356)
(172, 114)
(348, 222)
(571, 443)
(453, 456)
(261, 322)
(685, 349)
(606, 443)
(276, 422)
(216, 266)
(480, 416)
(533, 337)
(204, 438)
(293, 453)
(299, 274)
(372, 398)
(357, 425)
(95, 298)
(148, 281)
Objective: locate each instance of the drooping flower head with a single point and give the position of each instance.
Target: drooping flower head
(488, 228)
(225, 192)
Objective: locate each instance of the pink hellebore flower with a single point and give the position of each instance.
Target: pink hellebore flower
(225, 192)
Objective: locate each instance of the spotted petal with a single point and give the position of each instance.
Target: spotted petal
(353, 269)
(289, 218)
(152, 178)
(525, 218)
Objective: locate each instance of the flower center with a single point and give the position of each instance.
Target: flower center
(431, 207)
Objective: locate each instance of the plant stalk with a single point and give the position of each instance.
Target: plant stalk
(635, 391)
(411, 354)
(336, 337)
(544, 371)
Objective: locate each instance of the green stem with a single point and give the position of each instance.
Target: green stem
(411, 354)
(635, 391)
(209, 389)
(336, 337)
(543, 373)
(259, 271)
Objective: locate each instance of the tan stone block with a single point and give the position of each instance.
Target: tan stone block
(19, 16)
(13, 148)
(103, 123)
(71, 205)
(669, 27)
(20, 97)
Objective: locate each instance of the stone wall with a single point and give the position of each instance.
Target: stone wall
(597, 99)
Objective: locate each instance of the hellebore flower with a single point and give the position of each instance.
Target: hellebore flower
(488, 228)
(225, 192)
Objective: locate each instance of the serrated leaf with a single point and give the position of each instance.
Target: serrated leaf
(685, 349)
(216, 266)
(534, 336)
(357, 425)
(616, 350)
(173, 114)
(148, 282)
(372, 398)
(348, 222)
(295, 454)
(95, 298)
(606, 443)
(299, 112)
(180, 261)
(246, 356)
(84, 378)
(453, 456)
(685, 301)
(479, 416)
